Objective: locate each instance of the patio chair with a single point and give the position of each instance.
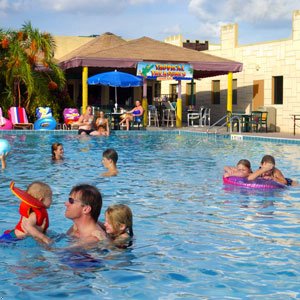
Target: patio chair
(206, 117)
(5, 124)
(195, 116)
(71, 115)
(258, 119)
(153, 116)
(44, 121)
(169, 114)
(18, 117)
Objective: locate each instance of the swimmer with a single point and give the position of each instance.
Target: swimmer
(34, 220)
(267, 170)
(109, 161)
(3, 160)
(57, 151)
(118, 224)
(242, 169)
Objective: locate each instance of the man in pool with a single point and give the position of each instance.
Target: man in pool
(83, 208)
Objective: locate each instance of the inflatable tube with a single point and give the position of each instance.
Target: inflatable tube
(258, 183)
(4, 147)
(47, 123)
(25, 197)
(7, 124)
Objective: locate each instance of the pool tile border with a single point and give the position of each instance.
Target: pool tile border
(233, 137)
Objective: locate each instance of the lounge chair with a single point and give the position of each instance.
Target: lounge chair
(71, 115)
(44, 121)
(18, 117)
(5, 124)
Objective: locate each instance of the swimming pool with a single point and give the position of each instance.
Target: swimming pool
(194, 238)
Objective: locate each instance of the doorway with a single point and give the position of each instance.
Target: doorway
(258, 94)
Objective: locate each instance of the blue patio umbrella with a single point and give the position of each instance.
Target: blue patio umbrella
(115, 79)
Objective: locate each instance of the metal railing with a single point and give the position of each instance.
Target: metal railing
(219, 126)
(216, 124)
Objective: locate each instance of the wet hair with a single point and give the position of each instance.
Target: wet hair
(111, 154)
(119, 214)
(245, 162)
(268, 159)
(91, 196)
(54, 148)
(39, 190)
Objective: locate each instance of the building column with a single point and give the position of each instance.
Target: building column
(229, 93)
(179, 107)
(84, 88)
(145, 102)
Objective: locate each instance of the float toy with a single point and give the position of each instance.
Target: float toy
(5, 124)
(71, 115)
(258, 183)
(45, 120)
(30, 204)
(4, 147)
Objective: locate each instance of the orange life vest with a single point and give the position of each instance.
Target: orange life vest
(41, 215)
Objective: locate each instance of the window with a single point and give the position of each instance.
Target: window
(215, 93)
(190, 98)
(234, 91)
(277, 89)
(173, 92)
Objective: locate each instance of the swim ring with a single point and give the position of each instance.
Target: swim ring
(25, 197)
(47, 123)
(258, 183)
(4, 147)
(5, 124)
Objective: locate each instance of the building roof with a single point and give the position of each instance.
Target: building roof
(127, 54)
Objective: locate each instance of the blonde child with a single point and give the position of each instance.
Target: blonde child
(242, 169)
(118, 224)
(34, 219)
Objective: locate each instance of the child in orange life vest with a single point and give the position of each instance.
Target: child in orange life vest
(34, 219)
(118, 224)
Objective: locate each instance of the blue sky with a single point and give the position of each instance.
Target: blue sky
(258, 20)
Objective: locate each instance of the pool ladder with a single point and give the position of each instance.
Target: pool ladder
(217, 126)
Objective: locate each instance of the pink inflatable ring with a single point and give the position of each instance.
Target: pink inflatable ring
(258, 183)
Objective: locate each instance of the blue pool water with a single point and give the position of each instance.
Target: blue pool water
(194, 238)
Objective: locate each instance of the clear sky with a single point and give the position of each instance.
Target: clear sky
(258, 20)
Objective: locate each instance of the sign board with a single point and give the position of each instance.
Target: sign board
(165, 71)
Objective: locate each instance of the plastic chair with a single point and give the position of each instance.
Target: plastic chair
(18, 117)
(206, 117)
(195, 117)
(153, 116)
(71, 115)
(258, 119)
(169, 114)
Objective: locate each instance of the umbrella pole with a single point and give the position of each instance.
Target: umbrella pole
(116, 98)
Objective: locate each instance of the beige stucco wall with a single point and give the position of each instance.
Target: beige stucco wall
(261, 61)
(66, 44)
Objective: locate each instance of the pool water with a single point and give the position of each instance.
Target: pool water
(194, 238)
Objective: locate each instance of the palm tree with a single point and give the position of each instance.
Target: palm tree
(27, 67)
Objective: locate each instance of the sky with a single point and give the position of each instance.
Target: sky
(258, 20)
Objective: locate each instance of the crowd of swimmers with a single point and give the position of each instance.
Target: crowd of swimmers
(267, 170)
(83, 207)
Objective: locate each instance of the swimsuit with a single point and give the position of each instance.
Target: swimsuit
(8, 235)
(289, 181)
(84, 130)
